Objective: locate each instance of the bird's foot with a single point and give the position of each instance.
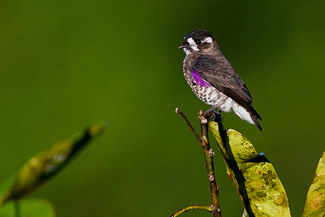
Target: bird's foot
(212, 114)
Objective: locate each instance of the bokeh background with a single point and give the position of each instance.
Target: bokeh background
(65, 64)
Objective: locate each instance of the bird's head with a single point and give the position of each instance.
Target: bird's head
(198, 41)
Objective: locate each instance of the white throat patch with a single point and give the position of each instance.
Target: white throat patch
(187, 51)
(193, 44)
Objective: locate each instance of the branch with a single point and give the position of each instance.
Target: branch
(178, 111)
(214, 208)
(185, 209)
(209, 154)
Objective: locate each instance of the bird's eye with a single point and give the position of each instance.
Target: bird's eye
(198, 41)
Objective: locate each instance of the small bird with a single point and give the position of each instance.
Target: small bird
(213, 79)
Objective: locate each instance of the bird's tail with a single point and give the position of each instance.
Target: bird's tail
(247, 113)
(255, 116)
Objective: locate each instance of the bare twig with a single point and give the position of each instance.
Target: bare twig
(208, 153)
(185, 209)
(178, 111)
(214, 208)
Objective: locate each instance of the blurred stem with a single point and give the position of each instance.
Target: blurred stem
(185, 209)
(17, 209)
(208, 155)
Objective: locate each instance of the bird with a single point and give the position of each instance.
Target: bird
(213, 79)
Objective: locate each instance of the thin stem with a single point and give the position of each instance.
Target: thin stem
(185, 209)
(178, 111)
(17, 209)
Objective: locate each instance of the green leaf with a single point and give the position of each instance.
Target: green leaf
(254, 177)
(46, 164)
(28, 208)
(315, 201)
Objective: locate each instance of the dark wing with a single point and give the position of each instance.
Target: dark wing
(220, 74)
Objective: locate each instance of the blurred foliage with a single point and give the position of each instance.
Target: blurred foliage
(315, 201)
(46, 164)
(254, 177)
(28, 208)
(67, 63)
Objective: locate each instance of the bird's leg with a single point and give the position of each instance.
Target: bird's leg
(216, 116)
(209, 111)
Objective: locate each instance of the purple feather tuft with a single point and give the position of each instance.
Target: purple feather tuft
(198, 80)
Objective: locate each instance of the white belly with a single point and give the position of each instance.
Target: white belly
(213, 97)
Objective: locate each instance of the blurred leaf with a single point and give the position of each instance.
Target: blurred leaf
(28, 208)
(46, 164)
(315, 202)
(253, 175)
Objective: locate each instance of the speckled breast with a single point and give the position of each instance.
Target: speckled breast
(209, 95)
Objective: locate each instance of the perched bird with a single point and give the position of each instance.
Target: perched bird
(213, 79)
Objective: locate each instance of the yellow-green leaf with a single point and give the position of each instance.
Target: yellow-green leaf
(28, 208)
(254, 177)
(46, 164)
(315, 201)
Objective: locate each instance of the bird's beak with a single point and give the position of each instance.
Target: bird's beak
(183, 45)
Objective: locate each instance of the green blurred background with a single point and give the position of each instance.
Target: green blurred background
(65, 64)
